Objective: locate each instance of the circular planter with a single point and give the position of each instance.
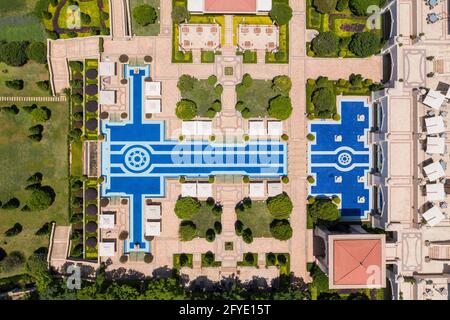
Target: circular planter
(123, 58)
(123, 81)
(91, 226)
(148, 59)
(92, 124)
(91, 242)
(104, 202)
(124, 115)
(91, 194)
(104, 115)
(91, 90)
(91, 74)
(92, 106)
(92, 210)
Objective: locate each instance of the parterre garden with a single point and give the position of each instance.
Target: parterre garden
(71, 18)
(264, 219)
(200, 98)
(264, 98)
(199, 218)
(344, 30)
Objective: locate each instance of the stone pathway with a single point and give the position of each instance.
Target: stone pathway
(34, 99)
(59, 246)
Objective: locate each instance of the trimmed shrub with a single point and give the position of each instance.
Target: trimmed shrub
(365, 44)
(37, 51)
(326, 43)
(145, 15)
(281, 229)
(310, 179)
(247, 81)
(212, 80)
(280, 56)
(15, 230)
(249, 258)
(37, 129)
(341, 5)
(186, 109)
(14, 84)
(325, 6)
(217, 227)
(323, 100)
(208, 258)
(187, 230)
(281, 13)
(75, 134)
(183, 260)
(76, 66)
(44, 230)
(271, 259)
(104, 15)
(187, 207)
(210, 113)
(247, 235)
(285, 179)
(239, 227)
(179, 14)
(3, 254)
(11, 109)
(280, 107)
(282, 260)
(280, 206)
(41, 114)
(41, 199)
(218, 90)
(14, 53)
(12, 203)
(77, 98)
(210, 235)
(43, 85)
(310, 137)
(186, 83)
(282, 84)
(323, 210)
(12, 262)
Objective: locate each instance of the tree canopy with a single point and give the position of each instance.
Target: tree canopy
(281, 13)
(187, 207)
(323, 210)
(14, 53)
(325, 6)
(145, 15)
(365, 44)
(281, 229)
(280, 107)
(186, 109)
(325, 43)
(179, 14)
(280, 206)
(37, 51)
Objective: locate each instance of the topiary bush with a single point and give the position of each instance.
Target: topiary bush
(217, 227)
(280, 206)
(187, 230)
(15, 84)
(282, 85)
(323, 209)
(323, 100)
(11, 204)
(239, 227)
(179, 14)
(187, 110)
(281, 229)
(280, 107)
(281, 13)
(247, 235)
(271, 259)
(41, 199)
(210, 235)
(325, 44)
(41, 114)
(365, 44)
(15, 230)
(249, 258)
(14, 53)
(37, 51)
(145, 15)
(187, 207)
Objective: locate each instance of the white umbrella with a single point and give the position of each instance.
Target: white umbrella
(435, 145)
(435, 192)
(434, 171)
(435, 125)
(433, 216)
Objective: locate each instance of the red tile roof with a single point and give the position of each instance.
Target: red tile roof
(357, 262)
(234, 6)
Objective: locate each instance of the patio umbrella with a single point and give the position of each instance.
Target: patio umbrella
(435, 192)
(433, 216)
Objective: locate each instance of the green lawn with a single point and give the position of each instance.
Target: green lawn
(20, 159)
(205, 220)
(16, 7)
(257, 218)
(203, 95)
(21, 28)
(256, 97)
(149, 30)
(30, 73)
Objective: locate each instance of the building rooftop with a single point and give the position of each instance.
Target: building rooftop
(356, 261)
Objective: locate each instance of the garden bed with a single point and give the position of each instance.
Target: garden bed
(91, 252)
(247, 261)
(91, 94)
(184, 262)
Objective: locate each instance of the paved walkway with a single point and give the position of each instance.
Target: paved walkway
(34, 99)
(119, 19)
(59, 246)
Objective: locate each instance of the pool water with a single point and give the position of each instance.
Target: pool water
(340, 158)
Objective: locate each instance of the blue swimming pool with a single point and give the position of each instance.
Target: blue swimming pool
(136, 158)
(340, 158)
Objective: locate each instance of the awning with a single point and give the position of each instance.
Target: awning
(107, 69)
(274, 188)
(274, 128)
(107, 221)
(153, 89)
(204, 190)
(153, 228)
(434, 171)
(434, 99)
(189, 189)
(256, 128)
(435, 125)
(107, 97)
(256, 190)
(152, 106)
(435, 192)
(433, 216)
(435, 145)
(152, 212)
(106, 249)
